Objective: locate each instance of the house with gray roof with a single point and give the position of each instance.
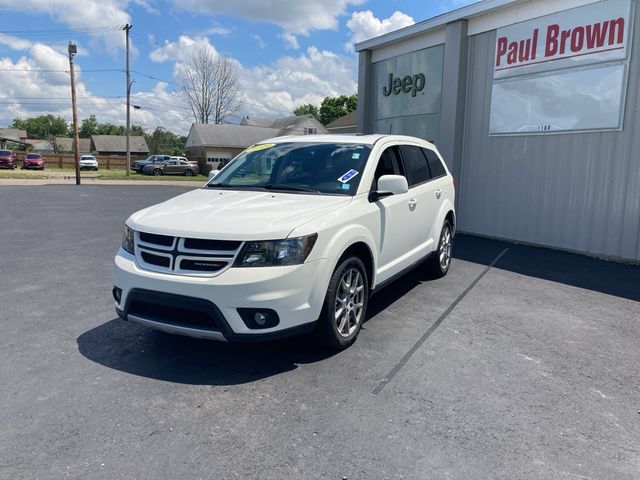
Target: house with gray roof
(294, 125)
(216, 144)
(344, 124)
(116, 145)
(65, 145)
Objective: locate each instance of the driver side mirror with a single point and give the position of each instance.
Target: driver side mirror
(213, 173)
(389, 185)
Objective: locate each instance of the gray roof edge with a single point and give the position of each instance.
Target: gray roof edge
(479, 8)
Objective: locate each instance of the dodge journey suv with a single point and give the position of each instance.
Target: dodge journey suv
(292, 236)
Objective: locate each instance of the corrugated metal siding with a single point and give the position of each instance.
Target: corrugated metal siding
(573, 191)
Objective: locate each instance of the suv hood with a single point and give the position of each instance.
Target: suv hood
(234, 215)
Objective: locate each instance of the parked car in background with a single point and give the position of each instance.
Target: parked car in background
(138, 165)
(88, 162)
(34, 161)
(182, 158)
(292, 236)
(7, 159)
(172, 167)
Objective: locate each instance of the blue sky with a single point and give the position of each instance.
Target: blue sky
(287, 52)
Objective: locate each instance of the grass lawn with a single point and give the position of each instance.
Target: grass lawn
(101, 174)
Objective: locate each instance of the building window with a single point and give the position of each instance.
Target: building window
(310, 130)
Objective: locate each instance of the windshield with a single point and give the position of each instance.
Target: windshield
(34, 156)
(5, 153)
(87, 157)
(331, 168)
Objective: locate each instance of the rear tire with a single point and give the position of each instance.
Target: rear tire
(345, 305)
(157, 172)
(188, 173)
(438, 264)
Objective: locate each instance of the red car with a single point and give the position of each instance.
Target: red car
(7, 159)
(34, 160)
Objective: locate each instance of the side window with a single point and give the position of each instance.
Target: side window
(416, 165)
(435, 164)
(389, 164)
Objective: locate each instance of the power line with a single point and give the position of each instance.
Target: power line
(61, 32)
(58, 98)
(59, 70)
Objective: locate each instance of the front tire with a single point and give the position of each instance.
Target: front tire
(157, 172)
(345, 305)
(439, 263)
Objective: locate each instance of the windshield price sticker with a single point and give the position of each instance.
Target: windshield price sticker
(262, 146)
(348, 176)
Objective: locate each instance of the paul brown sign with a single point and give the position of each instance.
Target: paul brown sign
(408, 83)
(590, 34)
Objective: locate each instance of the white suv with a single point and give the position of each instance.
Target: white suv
(291, 236)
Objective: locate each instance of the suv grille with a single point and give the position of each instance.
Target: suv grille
(185, 256)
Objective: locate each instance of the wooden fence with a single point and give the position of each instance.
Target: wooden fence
(66, 160)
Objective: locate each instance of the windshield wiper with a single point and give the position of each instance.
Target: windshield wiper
(222, 185)
(278, 186)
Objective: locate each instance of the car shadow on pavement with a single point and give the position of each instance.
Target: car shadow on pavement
(611, 278)
(131, 348)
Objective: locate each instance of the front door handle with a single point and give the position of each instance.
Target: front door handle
(438, 193)
(413, 202)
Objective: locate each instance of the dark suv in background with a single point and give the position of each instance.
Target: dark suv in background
(7, 159)
(138, 165)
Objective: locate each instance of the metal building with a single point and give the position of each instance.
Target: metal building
(535, 107)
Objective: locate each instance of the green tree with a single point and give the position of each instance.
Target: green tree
(43, 126)
(307, 109)
(88, 127)
(163, 141)
(332, 108)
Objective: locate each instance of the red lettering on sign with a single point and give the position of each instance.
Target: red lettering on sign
(577, 39)
(596, 34)
(551, 44)
(614, 25)
(502, 49)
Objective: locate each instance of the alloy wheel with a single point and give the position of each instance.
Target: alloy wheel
(444, 252)
(349, 302)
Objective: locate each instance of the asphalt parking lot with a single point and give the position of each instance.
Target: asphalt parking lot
(522, 363)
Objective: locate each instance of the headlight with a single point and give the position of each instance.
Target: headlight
(127, 240)
(271, 253)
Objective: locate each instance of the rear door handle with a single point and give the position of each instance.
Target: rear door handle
(438, 193)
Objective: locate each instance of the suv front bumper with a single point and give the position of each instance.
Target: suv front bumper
(207, 307)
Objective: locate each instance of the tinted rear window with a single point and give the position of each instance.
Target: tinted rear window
(435, 164)
(415, 164)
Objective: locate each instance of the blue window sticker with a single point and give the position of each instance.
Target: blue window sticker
(348, 176)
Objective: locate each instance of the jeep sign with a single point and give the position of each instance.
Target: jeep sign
(408, 83)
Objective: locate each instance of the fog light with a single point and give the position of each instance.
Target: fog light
(258, 318)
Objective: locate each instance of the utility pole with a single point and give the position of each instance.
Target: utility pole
(127, 27)
(76, 142)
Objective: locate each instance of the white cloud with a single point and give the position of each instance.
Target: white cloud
(15, 43)
(292, 15)
(261, 43)
(83, 14)
(275, 90)
(290, 41)
(182, 49)
(365, 25)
